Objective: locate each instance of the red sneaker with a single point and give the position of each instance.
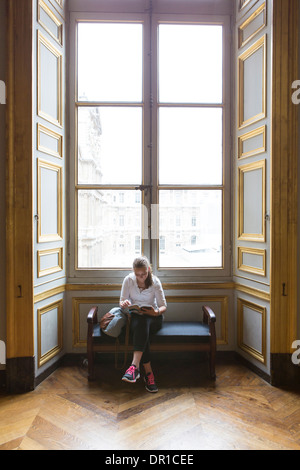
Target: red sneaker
(132, 374)
(150, 383)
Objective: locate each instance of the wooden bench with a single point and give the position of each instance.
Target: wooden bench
(174, 336)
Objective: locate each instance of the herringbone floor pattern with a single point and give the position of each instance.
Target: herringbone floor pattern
(239, 411)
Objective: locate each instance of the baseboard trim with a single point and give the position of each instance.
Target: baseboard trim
(283, 372)
(266, 377)
(19, 375)
(2, 379)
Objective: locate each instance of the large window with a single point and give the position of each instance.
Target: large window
(150, 143)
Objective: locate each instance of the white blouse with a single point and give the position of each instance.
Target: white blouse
(154, 295)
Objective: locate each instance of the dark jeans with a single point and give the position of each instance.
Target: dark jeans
(142, 326)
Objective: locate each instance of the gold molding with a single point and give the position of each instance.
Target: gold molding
(223, 339)
(257, 237)
(258, 355)
(113, 287)
(76, 301)
(53, 269)
(166, 286)
(243, 4)
(57, 120)
(44, 130)
(42, 5)
(251, 269)
(53, 236)
(49, 293)
(259, 294)
(260, 44)
(243, 26)
(249, 135)
(42, 359)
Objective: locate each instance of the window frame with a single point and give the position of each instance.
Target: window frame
(150, 148)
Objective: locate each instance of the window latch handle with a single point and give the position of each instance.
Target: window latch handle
(143, 187)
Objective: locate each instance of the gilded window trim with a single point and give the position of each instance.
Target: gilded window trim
(256, 237)
(59, 3)
(45, 130)
(101, 272)
(261, 9)
(52, 269)
(249, 135)
(59, 24)
(251, 269)
(260, 44)
(56, 120)
(54, 236)
(243, 4)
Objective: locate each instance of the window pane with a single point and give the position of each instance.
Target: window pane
(110, 62)
(190, 229)
(109, 225)
(109, 145)
(190, 63)
(190, 146)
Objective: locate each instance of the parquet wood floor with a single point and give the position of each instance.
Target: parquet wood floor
(66, 412)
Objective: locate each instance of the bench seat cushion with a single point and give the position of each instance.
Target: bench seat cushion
(182, 332)
(171, 332)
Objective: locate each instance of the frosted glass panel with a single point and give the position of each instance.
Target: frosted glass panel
(190, 63)
(110, 62)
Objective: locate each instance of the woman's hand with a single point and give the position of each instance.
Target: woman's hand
(125, 303)
(150, 311)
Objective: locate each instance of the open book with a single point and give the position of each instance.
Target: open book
(138, 308)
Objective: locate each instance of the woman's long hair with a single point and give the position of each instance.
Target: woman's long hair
(143, 262)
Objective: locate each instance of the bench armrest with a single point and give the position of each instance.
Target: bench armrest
(92, 315)
(208, 315)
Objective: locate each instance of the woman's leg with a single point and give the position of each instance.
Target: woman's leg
(142, 327)
(154, 325)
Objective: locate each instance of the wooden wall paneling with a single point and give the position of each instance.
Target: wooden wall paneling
(284, 177)
(19, 183)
